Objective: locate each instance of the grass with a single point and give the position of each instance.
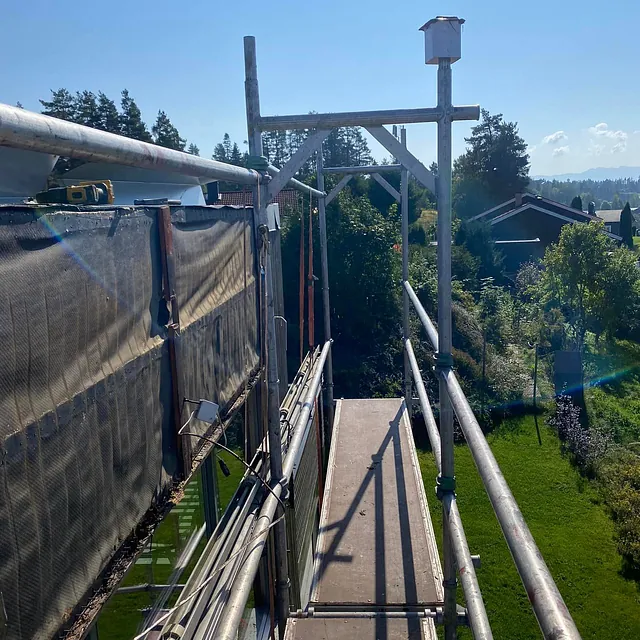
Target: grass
(569, 524)
(122, 616)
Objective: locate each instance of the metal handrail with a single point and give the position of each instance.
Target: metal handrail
(550, 609)
(429, 327)
(477, 614)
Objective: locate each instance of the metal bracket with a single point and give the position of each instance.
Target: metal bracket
(404, 156)
(443, 361)
(445, 484)
(337, 189)
(258, 163)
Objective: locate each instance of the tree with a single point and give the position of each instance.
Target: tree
(476, 238)
(494, 167)
(626, 226)
(193, 149)
(616, 203)
(276, 147)
(346, 147)
(62, 105)
(588, 280)
(86, 109)
(165, 134)
(222, 151)
(605, 205)
(108, 116)
(621, 296)
(576, 203)
(236, 156)
(131, 123)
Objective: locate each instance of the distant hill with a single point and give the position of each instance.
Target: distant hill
(598, 173)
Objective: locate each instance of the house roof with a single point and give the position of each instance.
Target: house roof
(508, 209)
(287, 198)
(613, 215)
(609, 215)
(538, 201)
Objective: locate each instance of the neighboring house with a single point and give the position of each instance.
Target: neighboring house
(611, 219)
(526, 225)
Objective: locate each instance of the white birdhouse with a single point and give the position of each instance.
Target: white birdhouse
(442, 39)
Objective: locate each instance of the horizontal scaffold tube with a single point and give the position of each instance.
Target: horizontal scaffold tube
(477, 614)
(363, 118)
(24, 129)
(296, 184)
(228, 628)
(371, 168)
(553, 616)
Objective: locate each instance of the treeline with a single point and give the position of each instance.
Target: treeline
(606, 194)
(101, 112)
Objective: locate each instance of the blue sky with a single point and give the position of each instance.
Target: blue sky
(566, 71)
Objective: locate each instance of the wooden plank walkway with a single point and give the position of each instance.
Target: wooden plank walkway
(376, 549)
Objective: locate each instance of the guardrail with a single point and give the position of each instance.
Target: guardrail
(477, 614)
(550, 609)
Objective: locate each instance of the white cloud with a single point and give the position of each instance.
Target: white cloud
(611, 140)
(602, 130)
(553, 138)
(561, 151)
(599, 129)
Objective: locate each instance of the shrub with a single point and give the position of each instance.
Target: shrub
(586, 446)
(507, 377)
(622, 493)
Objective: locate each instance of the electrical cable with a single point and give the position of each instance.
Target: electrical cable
(237, 457)
(186, 424)
(204, 583)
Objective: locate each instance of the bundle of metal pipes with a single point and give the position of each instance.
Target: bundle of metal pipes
(217, 591)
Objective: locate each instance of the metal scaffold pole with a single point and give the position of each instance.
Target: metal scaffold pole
(326, 309)
(404, 208)
(260, 200)
(446, 480)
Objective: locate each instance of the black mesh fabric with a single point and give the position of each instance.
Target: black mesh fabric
(86, 430)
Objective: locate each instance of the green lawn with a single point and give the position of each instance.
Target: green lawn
(122, 616)
(570, 526)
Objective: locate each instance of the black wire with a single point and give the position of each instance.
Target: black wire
(239, 459)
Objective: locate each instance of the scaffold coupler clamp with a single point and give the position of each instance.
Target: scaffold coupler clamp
(445, 484)
(444, 361)
(258, 163)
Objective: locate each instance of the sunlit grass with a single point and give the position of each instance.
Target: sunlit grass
(569, 524)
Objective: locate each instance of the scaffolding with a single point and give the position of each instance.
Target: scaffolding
(24, 130)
